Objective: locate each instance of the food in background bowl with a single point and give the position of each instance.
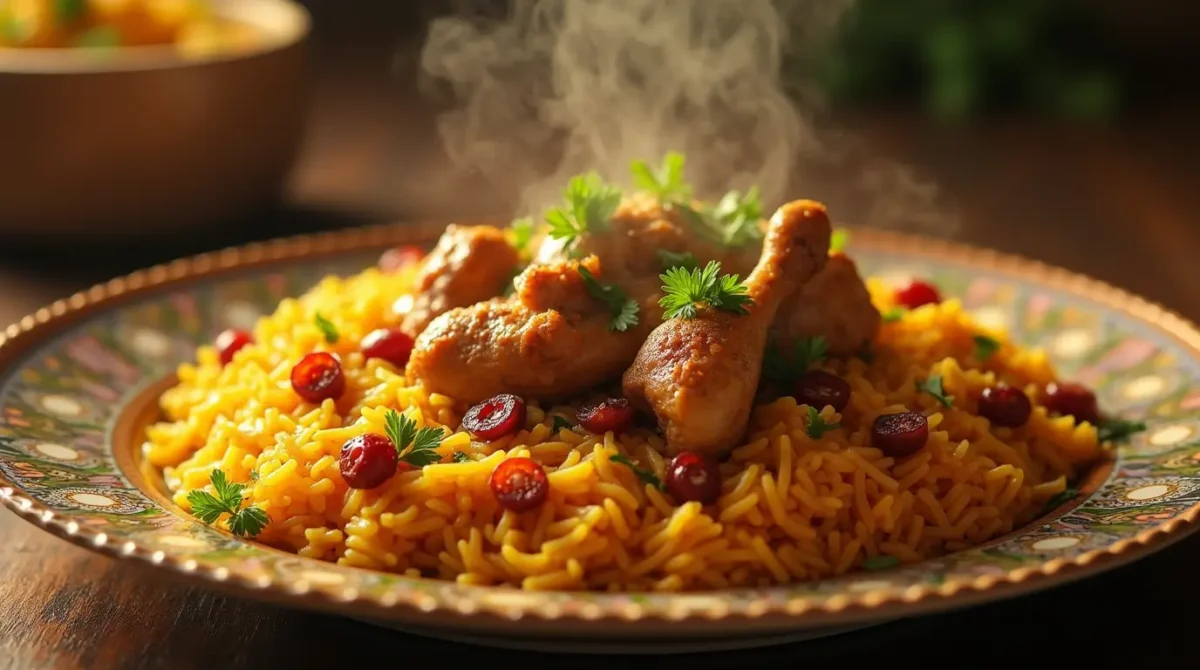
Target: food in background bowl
(191, 25)
(628, 414)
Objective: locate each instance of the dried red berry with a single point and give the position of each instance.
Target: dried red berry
(613, 414)
(519, 484)
(818, 388)
(229, 342)
(496, 417)
(388, 344)
(1077, 400)
(918, 293)
(318, 376)
(693, 477)
(1005, 406)
(900, 434)
(367, 461)
(398, 258)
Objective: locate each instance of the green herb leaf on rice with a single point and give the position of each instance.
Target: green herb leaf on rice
(560, 424)
(227, 498)
(685, 290)
(645, 475)
(893, 314)
(415, 447)
(460, 457)
(933, 386)
(622, 310)
(1115, 430)
(254, 475)
(787, 368)
(327, 328)
(985, 347)
(816, 425)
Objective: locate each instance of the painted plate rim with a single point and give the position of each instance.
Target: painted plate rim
(27, 336)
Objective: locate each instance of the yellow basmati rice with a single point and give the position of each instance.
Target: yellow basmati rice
(792, 508)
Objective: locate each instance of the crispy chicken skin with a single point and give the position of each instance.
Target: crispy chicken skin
(835, 304)
(699, 376)
(551, 340)
(468, 265)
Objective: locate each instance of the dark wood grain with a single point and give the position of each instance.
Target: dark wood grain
(1120, 204)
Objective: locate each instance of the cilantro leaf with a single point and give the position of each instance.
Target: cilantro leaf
(816, 424)
(622, 310)
(327, 328)
(666, 183)
(589, 204)
(783, 368)
(226, 498)
(642, 474)
(672, 259)
(522, 234)
(838, 240)
(460, 457)
(685, 289)
(894, 314)
(254, 475)
(738, 216)
(415, 447)
(985, 347)
(1112, 430)
(560, 423)
(933, 386)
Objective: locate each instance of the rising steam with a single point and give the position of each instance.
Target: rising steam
(559, 87)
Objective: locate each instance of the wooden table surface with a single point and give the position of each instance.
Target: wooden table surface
(1119, 204)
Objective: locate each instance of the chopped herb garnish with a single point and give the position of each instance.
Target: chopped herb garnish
(522, 234)
(894, 314)
(838, 240)
(875, 563)
(672, 259)
(984, 347)
(1112, 430)
(666, 183)
(622, 310)
(460, 457)
(685, 290)
(415, 447)
(327, 328)
(243, 521)
(739, 216)
(590, 204)
(560, 424)
(254, 475)
(642, 474)
(785, 368)
(1061, 498)
(933, 386)
(816, 424)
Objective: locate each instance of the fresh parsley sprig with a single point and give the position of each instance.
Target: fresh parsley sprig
(416, 447)
(560, 423)
(817, 426)
(521, 234)
(934, 387)
(227, 498)
(985, 347)
(666, 183)
(685, 290)
(622, 310)
(460, 457)
(327, 328)
(1112, 430)
(673, 259)
(737, 216)
(785, 368)
(589, 204)
(642, 473)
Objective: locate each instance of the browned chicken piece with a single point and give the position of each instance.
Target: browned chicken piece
(699, 376)
(469, 264)
(552, 339)
(835, 304)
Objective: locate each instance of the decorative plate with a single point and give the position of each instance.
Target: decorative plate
(79, 381)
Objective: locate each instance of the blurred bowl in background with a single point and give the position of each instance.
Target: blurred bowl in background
(150, 139)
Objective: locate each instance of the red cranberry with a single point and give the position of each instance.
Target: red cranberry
(1005, 406)
(613, 414)
(496, 417)
(388, 344)
(818, 389)
(918, 293)
(229, 342)
(519, 484)
(396, 259)
(900, 434)
(1069, 398)
(367, 461)
(318, 376)
(694, 477)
